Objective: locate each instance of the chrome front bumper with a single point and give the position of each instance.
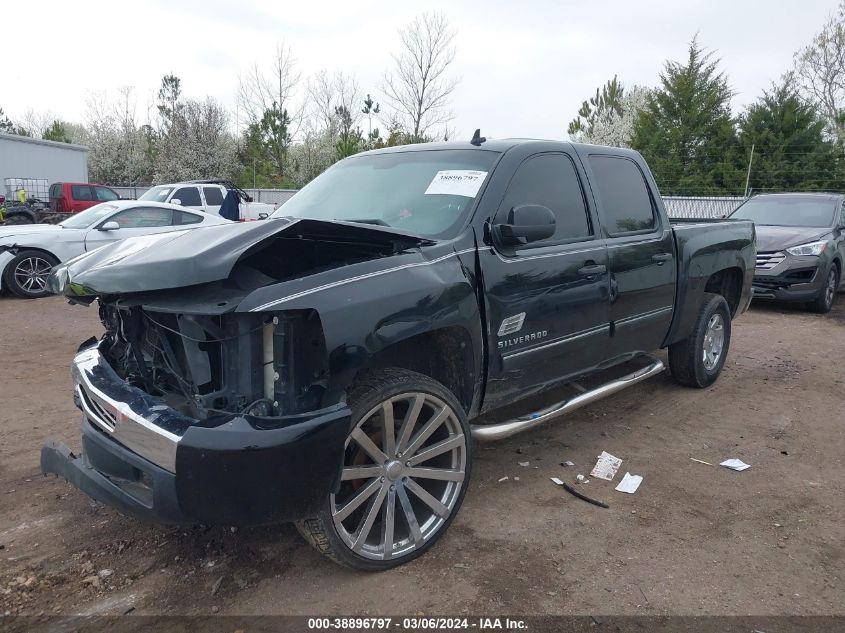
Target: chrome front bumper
(147, 459)
(133, 418)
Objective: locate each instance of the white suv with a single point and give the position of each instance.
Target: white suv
(207, 195)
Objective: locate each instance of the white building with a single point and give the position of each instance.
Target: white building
(32, 158)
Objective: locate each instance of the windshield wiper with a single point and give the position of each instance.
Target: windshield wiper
(368, 221)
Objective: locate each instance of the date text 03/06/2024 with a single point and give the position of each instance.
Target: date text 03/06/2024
(417, 623)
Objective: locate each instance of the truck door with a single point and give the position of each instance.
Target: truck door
(641, 255)
(547, 301)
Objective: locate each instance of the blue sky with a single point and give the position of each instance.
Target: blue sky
(524, 67)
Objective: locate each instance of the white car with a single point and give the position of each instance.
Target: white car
(208, 195)
(28, 252)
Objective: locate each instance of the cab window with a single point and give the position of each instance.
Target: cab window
(81, 192)
(550, 180)
(624, 195)
(188, 196)
(213, 196)
(104, 194)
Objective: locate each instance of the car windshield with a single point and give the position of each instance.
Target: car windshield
(84, 219)
(787, 211)
(157, 194)
(425, 192)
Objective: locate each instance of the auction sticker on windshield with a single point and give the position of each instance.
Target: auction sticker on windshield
(456, 182)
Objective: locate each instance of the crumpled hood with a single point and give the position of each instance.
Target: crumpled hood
(186, 258)
(777, 238)
(8, 233)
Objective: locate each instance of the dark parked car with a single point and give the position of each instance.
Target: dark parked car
(323, 366)
(800, 246)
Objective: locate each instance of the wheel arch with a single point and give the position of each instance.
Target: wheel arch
(445, 354)
(15, 251)
(728, 283)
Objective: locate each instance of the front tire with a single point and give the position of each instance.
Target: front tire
(405, 472)
(824, 302)
(26, 275)
(698, 360)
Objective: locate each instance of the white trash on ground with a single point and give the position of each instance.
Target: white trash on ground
(629, 483)
(735, 464)
(606, 466)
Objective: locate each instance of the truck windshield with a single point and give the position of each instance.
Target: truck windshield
(84, 219)
(787, 211)
(425, 192)
(157, 194)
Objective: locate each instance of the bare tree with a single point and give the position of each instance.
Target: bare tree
(328, 92)
(820, 71)
(259, 90)
(418, 89)
(34, 123)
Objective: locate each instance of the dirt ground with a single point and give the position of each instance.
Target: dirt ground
(695, 539)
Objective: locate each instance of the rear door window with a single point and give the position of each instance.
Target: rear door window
(143, 217)
(56, 190)
(188, 196)
(183, 217)
(624, 195)
(81, 192)
(213, 196)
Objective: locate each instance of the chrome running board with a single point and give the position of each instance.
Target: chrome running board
(490, 432)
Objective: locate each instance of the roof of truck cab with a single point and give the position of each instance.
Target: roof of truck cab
(499, 145)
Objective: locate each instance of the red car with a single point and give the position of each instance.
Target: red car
(73, 197)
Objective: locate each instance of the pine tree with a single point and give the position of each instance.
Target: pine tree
(599, 110)
(56, 132)
(791, 152)
(6, 124)
(686, 132)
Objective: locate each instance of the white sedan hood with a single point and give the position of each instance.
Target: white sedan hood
(29, 230)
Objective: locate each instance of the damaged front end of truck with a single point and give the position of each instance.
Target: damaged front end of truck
(214, 395)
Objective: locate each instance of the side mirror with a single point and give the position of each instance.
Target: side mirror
(110, 226)
(526, 223)
(175, 201)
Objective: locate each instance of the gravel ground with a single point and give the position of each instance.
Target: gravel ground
(695, 539)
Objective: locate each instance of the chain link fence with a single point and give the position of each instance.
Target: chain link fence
(701, 207)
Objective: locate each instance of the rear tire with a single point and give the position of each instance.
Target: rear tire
(824, 302)
(26, 275)
(400, 491)
(698, 359)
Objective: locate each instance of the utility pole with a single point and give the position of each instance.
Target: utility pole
(253, 174)
(748, 175)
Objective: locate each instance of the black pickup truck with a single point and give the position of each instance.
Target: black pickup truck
(323, 366)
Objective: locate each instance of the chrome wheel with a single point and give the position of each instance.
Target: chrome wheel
(830, 289)
(31, 274)
(404, 467)
(714, 342)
